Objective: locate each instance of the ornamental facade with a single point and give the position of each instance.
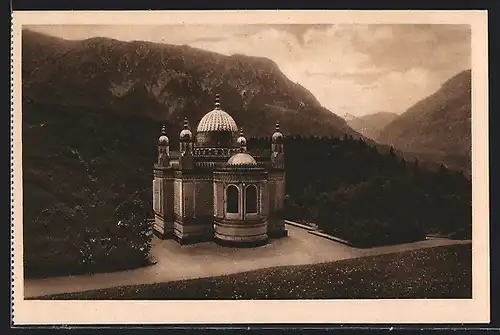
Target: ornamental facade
(213, 188)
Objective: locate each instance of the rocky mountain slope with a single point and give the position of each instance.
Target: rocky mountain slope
(168, 82)
(439, 124)
(371, 125)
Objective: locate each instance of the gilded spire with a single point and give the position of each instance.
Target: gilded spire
(217, 101)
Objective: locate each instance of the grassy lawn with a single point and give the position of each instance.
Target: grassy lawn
(440, 272)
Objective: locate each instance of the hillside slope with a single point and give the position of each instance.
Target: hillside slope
(371, 125)
(168, 82)
(439, 124)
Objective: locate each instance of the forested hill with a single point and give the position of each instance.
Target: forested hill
(168, 82)
(439, 125)
(369, 197)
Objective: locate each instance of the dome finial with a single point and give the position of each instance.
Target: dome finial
(217, 101)
(163, 139)
(277, 126)
(186, 123)
(241, 131)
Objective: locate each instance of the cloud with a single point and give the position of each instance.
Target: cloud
(401, 47)
(358, 69)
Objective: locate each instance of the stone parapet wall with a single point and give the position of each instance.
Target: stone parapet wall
(163, 171)
(249, 176)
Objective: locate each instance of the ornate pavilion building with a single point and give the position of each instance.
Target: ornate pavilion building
(213, 188)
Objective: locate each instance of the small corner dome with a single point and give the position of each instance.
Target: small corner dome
(242, 158)
(241, 140)
(163, 140)
(185, 134)
(277, 136)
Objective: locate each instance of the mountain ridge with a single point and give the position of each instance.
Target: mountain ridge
(371, 125)
(167, 82)
(439, 124)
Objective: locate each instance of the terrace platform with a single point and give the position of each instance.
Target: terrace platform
(176, 262)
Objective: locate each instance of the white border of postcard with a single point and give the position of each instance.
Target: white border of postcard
(400, 311)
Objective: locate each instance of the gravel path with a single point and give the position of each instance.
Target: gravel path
(177, 262)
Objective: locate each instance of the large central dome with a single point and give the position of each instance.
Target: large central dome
(216, 129)
(217, 120)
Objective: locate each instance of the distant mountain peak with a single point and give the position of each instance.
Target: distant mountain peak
(370, 125)
(349, 117)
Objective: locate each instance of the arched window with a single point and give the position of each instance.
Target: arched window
(232, 199)
(251, 199)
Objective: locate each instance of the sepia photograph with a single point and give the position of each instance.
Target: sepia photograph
(250, 161)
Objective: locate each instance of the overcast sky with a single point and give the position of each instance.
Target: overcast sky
(355, 69)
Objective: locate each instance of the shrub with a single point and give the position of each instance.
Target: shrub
(97, 240)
